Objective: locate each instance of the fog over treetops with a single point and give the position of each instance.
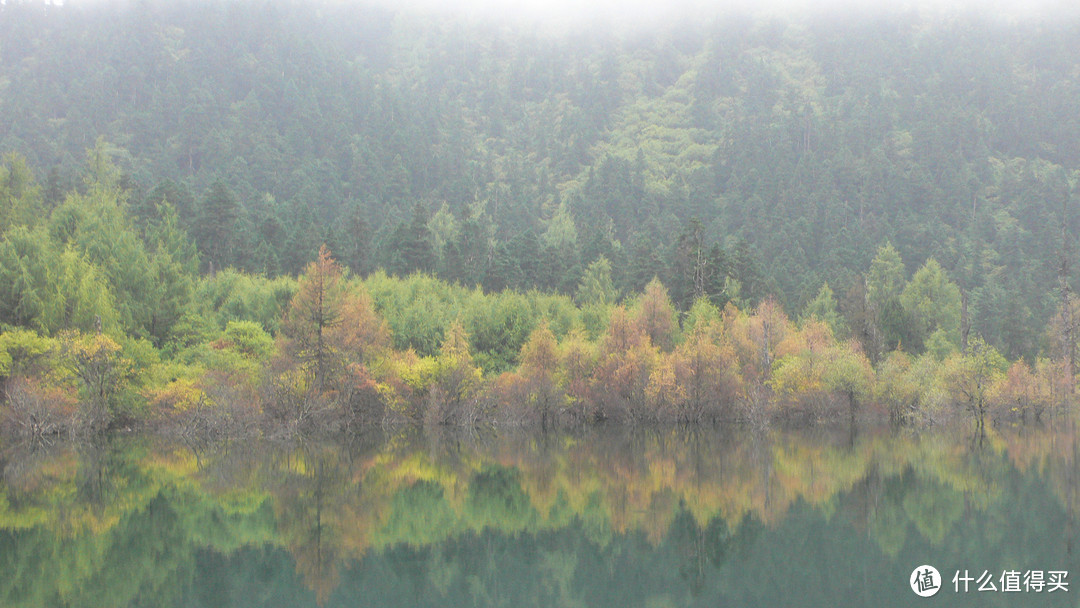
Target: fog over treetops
(798, 141)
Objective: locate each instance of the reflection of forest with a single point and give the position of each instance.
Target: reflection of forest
(136, 520)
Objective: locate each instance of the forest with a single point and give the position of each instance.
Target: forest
(221, 215)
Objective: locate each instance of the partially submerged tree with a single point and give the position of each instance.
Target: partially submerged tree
(970, 377)
(539, 365)
(329, 337)
(313, 313)
(95, 361)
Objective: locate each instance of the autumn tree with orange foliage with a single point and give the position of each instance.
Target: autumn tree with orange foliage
(627, 357)
(329, 336)
(706, 368)
(577, 362)
(538, 369)
(1018, 392)
(813, 370)
(770, 326)
(1025, 390)
(655, 315)
(315, 310)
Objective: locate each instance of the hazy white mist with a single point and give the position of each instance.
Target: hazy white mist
(563, 13)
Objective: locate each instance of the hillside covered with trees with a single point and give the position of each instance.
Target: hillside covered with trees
(533, 226)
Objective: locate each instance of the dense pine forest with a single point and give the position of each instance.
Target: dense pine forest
(319, 213)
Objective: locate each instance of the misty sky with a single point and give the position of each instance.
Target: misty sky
(638, 12)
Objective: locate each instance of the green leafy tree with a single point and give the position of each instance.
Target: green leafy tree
(970, 377)
(26, 258)
(443, 229)
(596, 287)
(102, 371)
(885, 282)
(848, 373)
(177, 195)
(21, 202)
(83, 300)
(215, 227)
(824, 308)
(646, 262)
(456, 380)
(560, 231)
(886, 278)
(691, 268)
(411, 249)
(167, 234)
(169, 296)
(932, 302)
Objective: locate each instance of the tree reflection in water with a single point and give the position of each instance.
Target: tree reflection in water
(605, 516)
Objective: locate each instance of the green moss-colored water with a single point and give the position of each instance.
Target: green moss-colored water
(606, 517)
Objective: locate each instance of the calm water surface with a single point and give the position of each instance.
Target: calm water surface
(604, 517)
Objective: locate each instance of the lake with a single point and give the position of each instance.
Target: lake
(649, 517)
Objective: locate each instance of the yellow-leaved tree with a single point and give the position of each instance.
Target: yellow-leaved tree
(330, 336)
(95, 361)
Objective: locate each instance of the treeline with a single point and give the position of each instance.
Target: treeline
(491, 156)
(108, 322)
